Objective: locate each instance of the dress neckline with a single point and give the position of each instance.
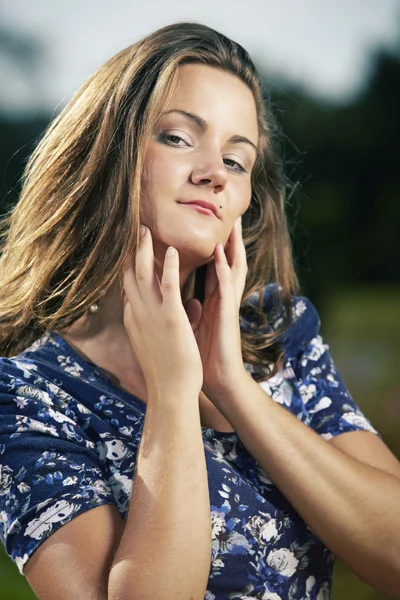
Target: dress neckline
(105, 382)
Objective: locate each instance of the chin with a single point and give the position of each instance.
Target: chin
(200, 249)
(194, 250)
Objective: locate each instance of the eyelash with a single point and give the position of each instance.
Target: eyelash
(164, 137)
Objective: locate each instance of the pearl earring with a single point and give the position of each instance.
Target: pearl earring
(94, 308)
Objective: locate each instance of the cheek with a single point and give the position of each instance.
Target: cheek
(161, 170)
(246, 197)
(154, 172)
(162, 179)
(242, 198)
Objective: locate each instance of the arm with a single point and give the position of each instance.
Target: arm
(167, 526)
(165, 551)
(346, 490)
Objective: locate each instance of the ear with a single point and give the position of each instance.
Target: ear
(193, 310)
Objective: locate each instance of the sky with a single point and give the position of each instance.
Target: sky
(324, 45)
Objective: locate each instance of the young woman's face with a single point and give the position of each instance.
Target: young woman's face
(202, 149)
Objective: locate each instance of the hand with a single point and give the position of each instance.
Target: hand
(157, 324)
(216, 322)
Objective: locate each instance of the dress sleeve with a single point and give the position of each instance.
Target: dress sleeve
(49, 469)
(330, 409)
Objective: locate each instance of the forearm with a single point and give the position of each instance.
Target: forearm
(351, 507)
(165, 550)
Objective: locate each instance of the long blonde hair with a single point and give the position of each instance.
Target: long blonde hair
(77, 218)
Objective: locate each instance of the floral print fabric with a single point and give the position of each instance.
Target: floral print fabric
(69, 440)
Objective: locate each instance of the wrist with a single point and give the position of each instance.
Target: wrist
(228, 385)
(173, 395)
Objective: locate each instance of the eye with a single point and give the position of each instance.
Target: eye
(240, 168)
(171, 139)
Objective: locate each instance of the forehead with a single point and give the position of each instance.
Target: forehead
(219, 97)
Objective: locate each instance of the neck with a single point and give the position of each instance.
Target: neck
(102, 338)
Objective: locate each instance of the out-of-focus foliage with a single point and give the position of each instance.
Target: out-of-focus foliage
(347, 158)
(344, 216)
(13, 586)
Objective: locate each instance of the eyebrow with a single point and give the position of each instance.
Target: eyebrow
(203, 125)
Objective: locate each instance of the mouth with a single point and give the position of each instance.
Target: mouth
(201, 206)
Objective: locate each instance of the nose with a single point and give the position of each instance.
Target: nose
(210, 171)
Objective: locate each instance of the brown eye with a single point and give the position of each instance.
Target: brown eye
(171, 139)
(241, 169)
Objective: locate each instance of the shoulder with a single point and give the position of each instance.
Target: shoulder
(46, 359)
(304, 328)
(23, 366)
(32, 379)
(302, 325)
(15, 372)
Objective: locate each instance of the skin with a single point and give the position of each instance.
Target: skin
(182, 163)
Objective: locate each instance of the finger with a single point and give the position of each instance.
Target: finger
(237, 259)
(236, 250)
(131, 298)
(130, 288)
(229, 292)
(145, 273)
(193, 310)
(211, 279)
(224, 273)
(170, 283)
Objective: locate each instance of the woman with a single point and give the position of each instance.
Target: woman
(174, 382)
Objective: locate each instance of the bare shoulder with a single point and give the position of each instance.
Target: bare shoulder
(74, 562)
(368, 448)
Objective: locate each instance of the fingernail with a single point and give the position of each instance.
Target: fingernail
(238, 223)
(170, 251)
(142, 230)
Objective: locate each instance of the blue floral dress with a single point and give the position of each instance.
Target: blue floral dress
(69, 440)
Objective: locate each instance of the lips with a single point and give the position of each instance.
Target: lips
(203, 204)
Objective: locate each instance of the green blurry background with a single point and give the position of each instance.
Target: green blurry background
(344, 212)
